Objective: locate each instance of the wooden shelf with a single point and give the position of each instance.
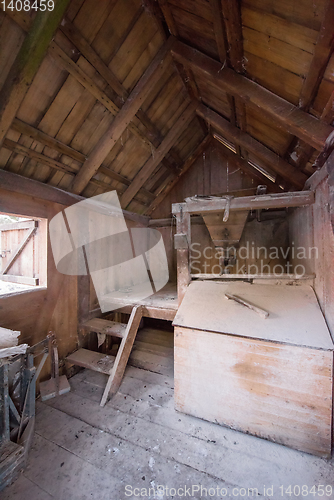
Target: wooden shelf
(92, 360)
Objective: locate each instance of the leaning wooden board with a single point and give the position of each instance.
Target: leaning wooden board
(269, 377)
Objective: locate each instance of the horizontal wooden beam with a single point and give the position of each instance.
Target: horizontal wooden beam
(57, 165)
(22, 280)
(47, 140)
(287, 116)
(27, 63)
(269, 276)
(29, 224)
(29, 187)
(135, 100)
(51, 142)
(149, 167)
(238, 137)
(257, 202)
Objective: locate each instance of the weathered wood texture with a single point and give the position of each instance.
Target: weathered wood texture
(27, 63)
(99, 55)
(21, 249)
(210, 174)
(311, 229)
(37, 311)
(278, 392)
(294, 120)
(74, 100)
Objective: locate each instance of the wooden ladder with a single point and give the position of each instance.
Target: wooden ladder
(110, 365)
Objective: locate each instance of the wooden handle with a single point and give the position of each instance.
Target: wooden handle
(264, 314)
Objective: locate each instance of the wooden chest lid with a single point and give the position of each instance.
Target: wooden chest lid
(294, 314)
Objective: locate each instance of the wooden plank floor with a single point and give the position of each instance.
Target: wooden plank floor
(82, 451)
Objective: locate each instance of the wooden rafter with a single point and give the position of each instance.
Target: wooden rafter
(151, 134)
(305, 151)
(322, 53)
(168, 15)
(64, 149)
(218, 23)
(27, 63)
(149, 167)
(228, 30)
(46, 140)
(294, 120)
(123, 118)
(172, 181)
(232, 18)
(162, 12)
(268, 157)
(66, 169)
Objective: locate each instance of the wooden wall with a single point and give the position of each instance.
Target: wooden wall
(211, 174)
(310, 227)
(36, 312)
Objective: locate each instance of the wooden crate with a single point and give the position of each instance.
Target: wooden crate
(254, 378)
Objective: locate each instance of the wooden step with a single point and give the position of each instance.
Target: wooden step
(92, 360)
(99, 325)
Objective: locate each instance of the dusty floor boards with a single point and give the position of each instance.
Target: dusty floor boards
(82, 451)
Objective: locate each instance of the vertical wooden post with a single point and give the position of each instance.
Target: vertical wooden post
(4, 404)
(182, 254)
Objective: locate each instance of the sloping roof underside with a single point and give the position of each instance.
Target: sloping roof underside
(101, 51)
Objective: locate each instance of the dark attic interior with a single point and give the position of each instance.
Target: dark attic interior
(166, 249)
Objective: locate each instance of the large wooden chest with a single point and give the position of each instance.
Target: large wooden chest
(269, 377)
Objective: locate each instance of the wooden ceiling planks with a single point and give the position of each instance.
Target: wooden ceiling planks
(103, 56)
(304, 12)
(27, 63)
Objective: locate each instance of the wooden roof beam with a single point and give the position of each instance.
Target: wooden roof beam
(256, 202)
(293, 120)
(57, 165)
(172, 181)
(69, 65)
(220, 22)
(304, 150)
(27, 63)
(268, 157)
(149, 167)
(219, 28)
(64, 149)
(151, 136)
(168, 15)
(123, 118)
(232, 18)
(151, 132)
(322, 53)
